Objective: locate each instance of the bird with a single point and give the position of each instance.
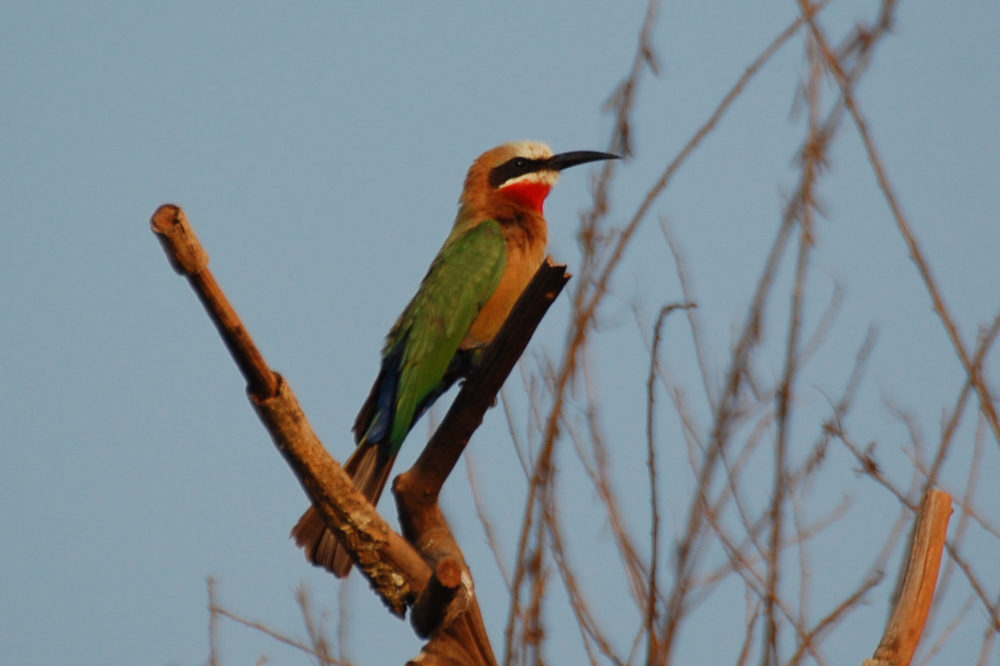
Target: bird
(497, 243)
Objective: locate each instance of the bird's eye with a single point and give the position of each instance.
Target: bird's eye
(520, 163)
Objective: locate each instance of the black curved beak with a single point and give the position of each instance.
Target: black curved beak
(566, 160)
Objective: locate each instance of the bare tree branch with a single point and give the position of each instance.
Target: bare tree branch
(902, 634)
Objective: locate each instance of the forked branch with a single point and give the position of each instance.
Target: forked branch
(426, 569)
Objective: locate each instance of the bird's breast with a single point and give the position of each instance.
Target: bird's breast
(523, 260)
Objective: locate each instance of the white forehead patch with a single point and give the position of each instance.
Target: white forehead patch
(533, 150)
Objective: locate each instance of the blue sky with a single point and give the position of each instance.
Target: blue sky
(319, 150)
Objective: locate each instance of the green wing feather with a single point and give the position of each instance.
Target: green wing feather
(461, 279)
(418, 351)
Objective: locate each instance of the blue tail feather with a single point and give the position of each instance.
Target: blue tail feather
(374, 422)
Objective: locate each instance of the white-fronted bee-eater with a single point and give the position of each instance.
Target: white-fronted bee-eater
(496, 245)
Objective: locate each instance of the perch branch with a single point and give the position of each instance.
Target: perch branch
(396, 571)
(190, 259)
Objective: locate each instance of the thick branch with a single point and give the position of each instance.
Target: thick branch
(902, 634)
(430, 608)
(189, 258)
(394, 568)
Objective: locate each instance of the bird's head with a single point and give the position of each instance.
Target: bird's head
(521, 172)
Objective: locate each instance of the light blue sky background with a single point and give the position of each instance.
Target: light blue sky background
(318, 148)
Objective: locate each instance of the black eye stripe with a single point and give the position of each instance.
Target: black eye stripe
(512, 168)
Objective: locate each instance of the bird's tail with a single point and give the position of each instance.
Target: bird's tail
(369, 470)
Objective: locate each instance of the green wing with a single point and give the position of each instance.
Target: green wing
(461, 279)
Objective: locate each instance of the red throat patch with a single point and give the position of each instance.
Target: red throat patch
(528, 194)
